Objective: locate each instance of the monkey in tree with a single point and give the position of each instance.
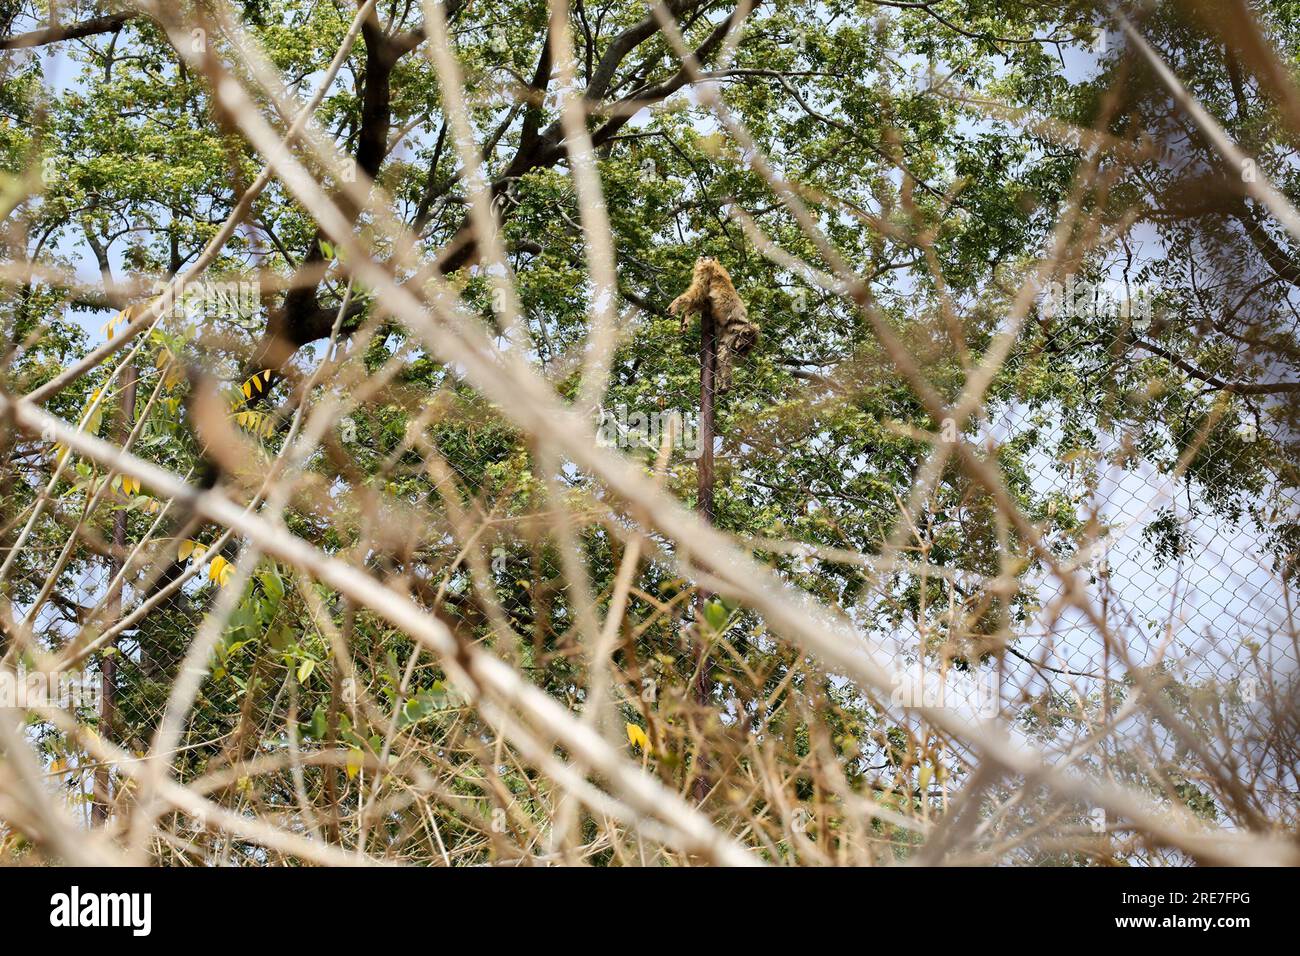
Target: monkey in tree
(711, 288)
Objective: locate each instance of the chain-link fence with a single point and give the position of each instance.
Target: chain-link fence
(980, 570)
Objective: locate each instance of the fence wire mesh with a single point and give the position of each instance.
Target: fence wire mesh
(368, 528)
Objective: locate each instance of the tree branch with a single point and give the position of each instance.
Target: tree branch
(109, 23)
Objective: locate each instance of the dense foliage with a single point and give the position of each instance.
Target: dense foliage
(938, 144)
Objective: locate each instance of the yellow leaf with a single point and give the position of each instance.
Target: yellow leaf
(59, 766)
(248, 389)
(220, 570)
(185, 550)
(637, 737)
(111, 325)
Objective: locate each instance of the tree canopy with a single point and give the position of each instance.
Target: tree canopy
(1005, 282)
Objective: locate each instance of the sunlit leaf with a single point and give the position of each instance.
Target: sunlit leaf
(220, 570)
(637, 737)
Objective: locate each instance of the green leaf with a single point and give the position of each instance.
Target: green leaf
(272, 585)
(715, 615)
(318, 725)
(281, 637)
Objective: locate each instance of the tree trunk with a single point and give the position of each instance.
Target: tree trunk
(703, 688)
(108, 666)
